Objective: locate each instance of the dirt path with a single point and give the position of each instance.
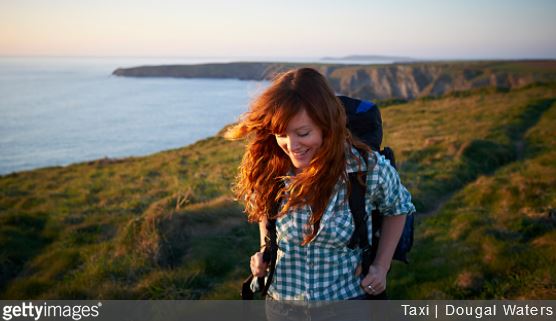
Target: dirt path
(438, 205)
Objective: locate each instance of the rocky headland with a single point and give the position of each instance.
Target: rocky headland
(382, 82)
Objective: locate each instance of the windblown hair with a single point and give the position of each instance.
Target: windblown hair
(264, 164)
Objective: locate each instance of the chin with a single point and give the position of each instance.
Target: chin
(301, 166)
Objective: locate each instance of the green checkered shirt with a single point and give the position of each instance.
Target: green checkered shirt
(325, 268)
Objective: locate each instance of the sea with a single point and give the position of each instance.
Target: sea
(56, 111)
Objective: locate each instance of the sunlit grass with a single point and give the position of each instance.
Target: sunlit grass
(480, 164)
(495, 238)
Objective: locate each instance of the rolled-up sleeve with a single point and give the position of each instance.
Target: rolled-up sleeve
(388, 195)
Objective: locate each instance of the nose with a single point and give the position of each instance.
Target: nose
(292, 142)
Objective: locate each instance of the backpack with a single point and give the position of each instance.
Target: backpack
(363, 121)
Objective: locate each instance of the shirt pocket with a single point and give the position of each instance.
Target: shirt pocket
(337, 231)
(289, 229)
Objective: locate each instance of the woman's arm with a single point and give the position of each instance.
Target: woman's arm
(393, 201)
(392, 228)
(375, 281)
(257, 264)
(263, 232)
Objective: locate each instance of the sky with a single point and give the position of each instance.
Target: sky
(426, 29)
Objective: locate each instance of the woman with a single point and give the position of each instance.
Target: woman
(296, 131)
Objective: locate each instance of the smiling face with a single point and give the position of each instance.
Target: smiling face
(301, 140)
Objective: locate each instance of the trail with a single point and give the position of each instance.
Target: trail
(533, 114)
(438, 205)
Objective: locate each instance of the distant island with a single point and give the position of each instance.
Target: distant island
(379, 81)
(371, 58)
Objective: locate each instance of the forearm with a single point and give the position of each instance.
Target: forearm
(392, 228)
(263, 232)
(257, 264)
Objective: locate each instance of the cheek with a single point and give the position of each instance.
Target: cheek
(317, 141)
(282, 143)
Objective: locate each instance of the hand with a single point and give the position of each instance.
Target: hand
(374, 282)
(258, 266)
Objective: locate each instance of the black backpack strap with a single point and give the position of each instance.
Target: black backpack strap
(246, 293)
(271, 247)
(357, 207)
(270, 252)
(269, 255)
(388, 153)
(360, 235)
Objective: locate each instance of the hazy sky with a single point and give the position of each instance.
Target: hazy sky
(420, 28)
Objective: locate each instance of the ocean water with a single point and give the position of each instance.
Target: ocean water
(58, 111)
(62, 110)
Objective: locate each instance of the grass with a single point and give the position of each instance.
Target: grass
(480, 166)
(94, 208)
(438, 153)
(496, 237)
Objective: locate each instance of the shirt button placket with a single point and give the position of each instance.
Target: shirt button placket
(311, 265)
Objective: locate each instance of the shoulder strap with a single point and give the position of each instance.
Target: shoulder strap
(269, 255)
(271, 249)
(360, 235)
(358, 212)
(357, 207)
(270, 252)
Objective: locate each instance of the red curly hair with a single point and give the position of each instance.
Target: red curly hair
(265, 164)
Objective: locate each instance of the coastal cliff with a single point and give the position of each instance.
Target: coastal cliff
(382, 82)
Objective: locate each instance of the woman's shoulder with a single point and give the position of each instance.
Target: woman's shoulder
(366, 161)
(383, 169)
(356, 161)
(379, 160)
(376, 165)
(373, 162)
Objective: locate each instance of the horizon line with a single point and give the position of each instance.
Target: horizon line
(322, 58)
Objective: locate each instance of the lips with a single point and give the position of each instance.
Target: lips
(300, 154)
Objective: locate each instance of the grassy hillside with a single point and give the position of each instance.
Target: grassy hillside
(494, 233)
(132, 228)
(480, 165)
